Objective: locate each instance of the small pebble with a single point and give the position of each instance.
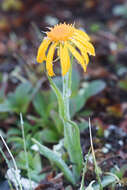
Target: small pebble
(105, 150)
(120, 142)
(50, 20)
(90, 159)
(112, 127)
(106, 133)
(35, 147)
(108, 146)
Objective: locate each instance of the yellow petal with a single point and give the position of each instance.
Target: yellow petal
(89, 47)
(82, 50)
(77, 55)
(49, 60)
(82, 33)
(86, 57)
(42, 49)
(64, 58)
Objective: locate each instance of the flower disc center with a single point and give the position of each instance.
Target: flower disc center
(61, 32)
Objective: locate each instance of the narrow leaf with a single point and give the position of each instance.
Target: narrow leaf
(74, 148)
(107, 180)
(59, 97)
(56, 160)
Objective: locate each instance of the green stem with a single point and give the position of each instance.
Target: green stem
(14, 163)
(25, 151)
(67, 91)
(66, 96)
(94, 158)
(71, 131)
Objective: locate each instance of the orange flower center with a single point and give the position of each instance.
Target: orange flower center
(61, 32)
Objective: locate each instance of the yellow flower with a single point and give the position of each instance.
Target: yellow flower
(65, 39)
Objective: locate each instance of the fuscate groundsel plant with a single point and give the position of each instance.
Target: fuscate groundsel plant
(69, 42)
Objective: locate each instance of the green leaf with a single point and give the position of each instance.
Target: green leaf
(85, 113)
(50, 136)
(58, 82)
(43, 103)
(33, 160)
(59, 97)
(22, 162)
(107, 180)
(36, 163)
(23, 89)
(72, 140)
(69, 187)
(40, 104)
(19, 100)
(84, 125)
(57, 122)
(13, 131)
(90, 89)
(76, 104)
(17, 141)
(123, 84)
(22, 97)
(53, 157)
(5, 107)
(38, 136)
(75, 80)
(94, 88)
(35, 176)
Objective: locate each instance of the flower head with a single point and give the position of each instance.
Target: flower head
(65, 39)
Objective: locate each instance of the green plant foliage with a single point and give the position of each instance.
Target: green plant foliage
(74, 85)
(119, 172)
(76, 78)
(90, 187)
(48, 126)
(71, 130)
(90, 89)
(83, 125)
(120, 10)
(59, 97)
(107, 180)
(57, 122)
(2, 94)
(72, 140)
(18, 141)
(53, 157)
(35, 165)
(123, 84)
(95, 27)
(50, 136)
(13, 131)
(19, 100)
(43, 104)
